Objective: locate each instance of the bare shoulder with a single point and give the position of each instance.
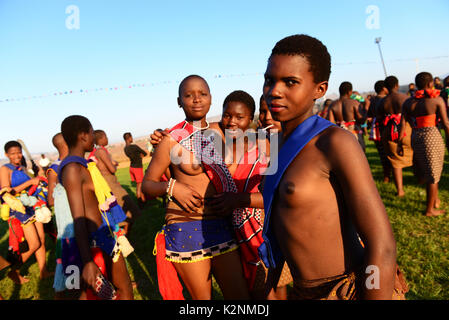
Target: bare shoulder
(354, 103)
(400, 97)
(4, 176)
(440, 100)
(334, 104)
(72, 172)
(4, 169)
(99, 153)
(167, 142)
(350, 103)
(214, 125)
(336, 143)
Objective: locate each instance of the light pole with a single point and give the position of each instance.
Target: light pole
(377, 40)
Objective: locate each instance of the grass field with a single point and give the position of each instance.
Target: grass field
(422, 243)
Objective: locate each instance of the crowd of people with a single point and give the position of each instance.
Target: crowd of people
(405, 128)
(227, 213)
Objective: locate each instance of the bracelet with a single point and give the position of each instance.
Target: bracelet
(168, 186)
(171, 191)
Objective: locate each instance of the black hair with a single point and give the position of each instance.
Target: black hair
(126, 135)
(243, 97)
(345, 88)
(379, 85)
(72, 126)
(391, 82)
(56, 140)
(310, 48)
(12, 144)
(423, 79)
(192, 76)
(98, 135)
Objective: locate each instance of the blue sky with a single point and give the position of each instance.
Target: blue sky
(151, 46)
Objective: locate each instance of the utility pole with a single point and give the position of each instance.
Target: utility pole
(377, 40)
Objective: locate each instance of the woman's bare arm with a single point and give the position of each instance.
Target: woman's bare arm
(366, 210)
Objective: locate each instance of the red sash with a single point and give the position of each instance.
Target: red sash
(247, 221)
(426, 121)
(169, 286)
(393, 120)
(427, 93)
(92, 154)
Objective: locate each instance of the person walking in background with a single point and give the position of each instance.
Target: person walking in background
(422, 112)
(135, 155)
(390, 109)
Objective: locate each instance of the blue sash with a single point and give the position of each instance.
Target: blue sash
(115, 212)
(269, 251)
(18, 176)
(68, 160)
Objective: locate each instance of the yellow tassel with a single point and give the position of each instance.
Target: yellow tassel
(125, 246)
(5, 212)
(13, 203)
(155, 246)
(102, 190)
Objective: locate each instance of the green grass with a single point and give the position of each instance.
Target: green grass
(422, 242)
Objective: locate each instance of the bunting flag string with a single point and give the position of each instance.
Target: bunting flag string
(115, 88)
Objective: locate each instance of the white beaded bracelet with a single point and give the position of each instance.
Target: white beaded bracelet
(168, 186)
(171, 191)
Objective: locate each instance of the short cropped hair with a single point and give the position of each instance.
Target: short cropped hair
(391, 82)
(311, 49)
(12, 144)
(192, 76)
(72, 126)
(99, 134)
(378, 86)
(243, 97)
(126, 135)
(345, 88)
(423, 79)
